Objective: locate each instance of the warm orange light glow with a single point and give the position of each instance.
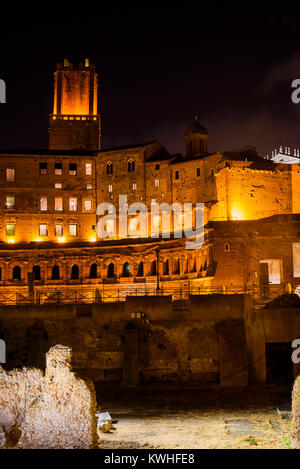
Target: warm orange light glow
(38, 240)
(237, 213)
(93, 239)
(62, 240)
(11, 241)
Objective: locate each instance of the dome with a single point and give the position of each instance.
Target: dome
(197, 128)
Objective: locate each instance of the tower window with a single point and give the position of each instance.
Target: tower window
(10, 175)
(110, 188)
(43, 168)
(157, 183)
(109, 168)
(58, 170)
(131, 166)
(134, 186)
(72, 169)
(191, 147)
(198, 172)
(227, 247)
(157, 167)
(177, 175)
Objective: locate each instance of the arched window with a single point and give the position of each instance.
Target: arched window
(55, 272)
(36, 272)
(153, 269)
(166, 267)
(109, 168)
(93, 271)
(131, 166)
(125, 272)
(177, 175)
(111, 271)
(75, 272)
(140, 272)
(17, 273)
(176, 267)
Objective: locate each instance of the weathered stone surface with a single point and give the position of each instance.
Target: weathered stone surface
(296, 415)
(52, 411)
(2, 438)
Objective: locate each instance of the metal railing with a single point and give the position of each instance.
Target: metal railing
(81, 296)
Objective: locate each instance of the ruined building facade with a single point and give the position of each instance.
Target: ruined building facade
(49, 200)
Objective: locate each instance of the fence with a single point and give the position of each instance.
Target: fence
(260, 296)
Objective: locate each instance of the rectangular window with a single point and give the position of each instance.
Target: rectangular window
(58, 170)
(10, 202)
(134, 187)
(88, 169)
(89, 186)
(58, 185)
(87, 205)
(73, 169)
(157, 183)
(110, 188)
(296, 256)
(43, 204)
(58, 230)
(43, 168)
(43, 230)
(58, 204)
(73, 204)
(198, 172)
(111, 209)
(73, 230)
(10, 175)
(10, 229)
(153, 201)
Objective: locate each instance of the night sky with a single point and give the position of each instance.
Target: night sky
(232, 64)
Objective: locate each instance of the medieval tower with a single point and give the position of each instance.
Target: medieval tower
(75, 122)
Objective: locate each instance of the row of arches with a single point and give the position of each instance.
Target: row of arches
(112, 271)
(141, 269)
(55, 272)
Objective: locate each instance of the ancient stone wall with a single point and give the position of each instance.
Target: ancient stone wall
(176, 340)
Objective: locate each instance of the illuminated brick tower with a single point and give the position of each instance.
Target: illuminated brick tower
(75, 123)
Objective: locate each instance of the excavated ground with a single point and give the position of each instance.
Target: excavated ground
(168, 416)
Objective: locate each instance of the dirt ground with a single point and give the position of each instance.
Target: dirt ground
(168, 416)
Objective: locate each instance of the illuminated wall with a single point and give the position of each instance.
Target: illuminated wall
(246, 194)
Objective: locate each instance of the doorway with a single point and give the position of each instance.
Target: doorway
(280, 369)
